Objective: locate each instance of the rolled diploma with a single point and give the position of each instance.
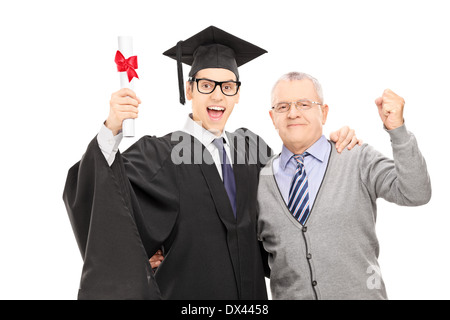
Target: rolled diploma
(126, 48)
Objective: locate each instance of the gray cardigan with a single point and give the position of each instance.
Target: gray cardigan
(335, 256)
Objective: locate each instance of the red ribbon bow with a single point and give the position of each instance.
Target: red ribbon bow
(127, 65)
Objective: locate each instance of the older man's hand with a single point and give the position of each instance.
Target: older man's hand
(345, 137)
(390, 107)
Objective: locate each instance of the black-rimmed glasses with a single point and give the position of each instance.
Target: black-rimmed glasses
(207, 86)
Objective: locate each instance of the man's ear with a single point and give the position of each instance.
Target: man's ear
(271, 117)
(189, 90)
(238, 95)
(324, 113)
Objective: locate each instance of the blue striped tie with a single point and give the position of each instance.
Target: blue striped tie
(298, 193)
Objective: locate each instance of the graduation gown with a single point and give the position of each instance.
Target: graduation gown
(167, 193)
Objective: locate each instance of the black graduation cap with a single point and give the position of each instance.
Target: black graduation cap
(212, 48)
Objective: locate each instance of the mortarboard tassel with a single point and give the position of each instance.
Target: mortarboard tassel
(180, 73)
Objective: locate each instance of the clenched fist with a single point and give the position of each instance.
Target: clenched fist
(390, 107)
(123, 105)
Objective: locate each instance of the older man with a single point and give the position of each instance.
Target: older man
(317, 208)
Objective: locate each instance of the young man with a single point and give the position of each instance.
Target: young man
(317, 208)
(180, 192)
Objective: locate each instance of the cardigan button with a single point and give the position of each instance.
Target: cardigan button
(304, 229)
(309, 256)
(314, 283)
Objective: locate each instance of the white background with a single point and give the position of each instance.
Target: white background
(57, 75)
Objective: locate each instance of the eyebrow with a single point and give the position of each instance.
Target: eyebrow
(200, 78)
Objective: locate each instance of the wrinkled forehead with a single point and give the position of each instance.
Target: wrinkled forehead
(287, 91)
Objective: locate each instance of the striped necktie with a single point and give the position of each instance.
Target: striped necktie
(298, 193)
(227, 173)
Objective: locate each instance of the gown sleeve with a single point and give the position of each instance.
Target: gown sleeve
(105, 214)
(155, 191)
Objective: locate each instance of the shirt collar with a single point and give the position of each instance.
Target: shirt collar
(196, 130)
(318, 150)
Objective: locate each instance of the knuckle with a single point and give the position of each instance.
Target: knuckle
(130, 101)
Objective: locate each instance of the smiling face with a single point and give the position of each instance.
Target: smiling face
(299, 129)
(213, 109)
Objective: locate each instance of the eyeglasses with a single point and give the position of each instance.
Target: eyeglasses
(303, 104)
(207, 86)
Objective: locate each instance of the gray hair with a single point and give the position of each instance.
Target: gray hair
(294, 76)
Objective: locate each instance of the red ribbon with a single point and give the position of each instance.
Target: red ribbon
(127, 65)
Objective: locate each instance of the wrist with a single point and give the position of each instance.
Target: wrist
(114, 129)
(394, 125)
(399, 135)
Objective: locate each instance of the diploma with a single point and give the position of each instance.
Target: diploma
(126, 48)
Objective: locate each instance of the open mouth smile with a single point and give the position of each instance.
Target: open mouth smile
(215, 113)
